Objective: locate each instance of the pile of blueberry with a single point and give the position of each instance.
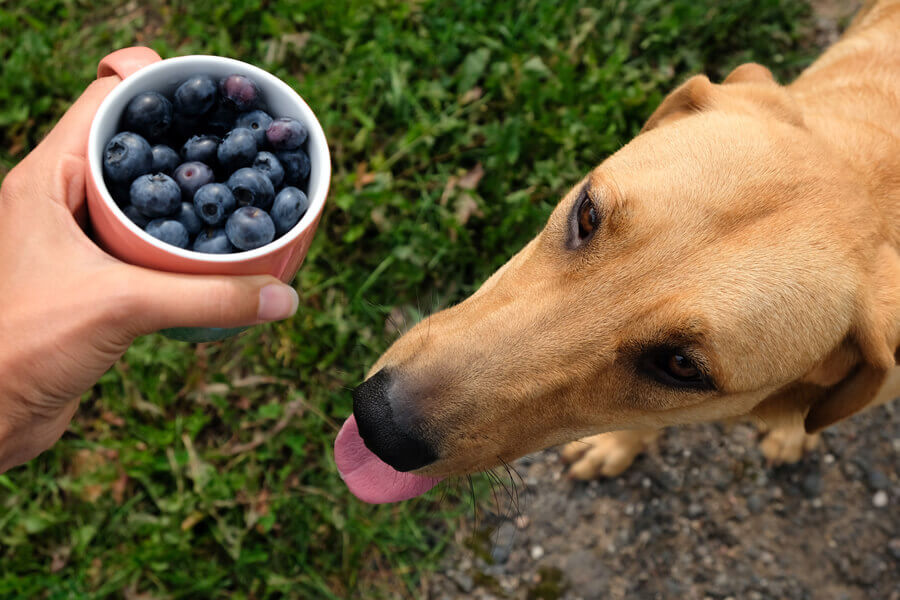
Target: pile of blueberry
(208, 169)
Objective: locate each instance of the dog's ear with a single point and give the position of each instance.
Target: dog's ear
(750, 73)
(690, 97)
(748, 88)
(876, 335)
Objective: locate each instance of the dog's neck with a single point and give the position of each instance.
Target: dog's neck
(849, 100)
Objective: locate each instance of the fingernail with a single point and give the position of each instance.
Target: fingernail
(276, 302)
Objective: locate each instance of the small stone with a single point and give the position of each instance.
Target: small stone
(522, 521)
(694, 510)
(537, 552)
(463, 581)
(894, 548)
(880, 499)
(828, 458)
(878, 480)
(755, 504)
(812, 485)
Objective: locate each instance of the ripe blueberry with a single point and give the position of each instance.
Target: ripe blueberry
(286, 134)
(187, 216)
(213, 241)
(238, 149)
(164, 159)
(256, 121)
(249, 227)
(239, 93)
(251, 188)
(127, 155)
(149, 114)
(201, 148)
(213, 203)
(289, 206)
(168, 230)
(190, 177)
(195, 96)
(268, 164)
(296, 166)
(155, 195)
(135, 215)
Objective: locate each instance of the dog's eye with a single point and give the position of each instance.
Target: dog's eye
(675, 368)
(587, 218)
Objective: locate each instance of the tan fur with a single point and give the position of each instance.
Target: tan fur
(757, 223)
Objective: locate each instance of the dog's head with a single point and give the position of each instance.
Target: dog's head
(721, 258)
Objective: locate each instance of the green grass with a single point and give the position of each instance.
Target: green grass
(206, 472)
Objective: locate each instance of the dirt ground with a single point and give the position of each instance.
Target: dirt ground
(701, 515)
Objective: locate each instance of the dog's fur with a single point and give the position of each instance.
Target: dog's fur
(751, 226)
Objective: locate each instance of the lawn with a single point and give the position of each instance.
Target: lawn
(206, 471)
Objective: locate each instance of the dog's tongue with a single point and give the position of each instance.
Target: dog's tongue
(368, 477)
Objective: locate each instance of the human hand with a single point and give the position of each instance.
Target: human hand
(69, 309)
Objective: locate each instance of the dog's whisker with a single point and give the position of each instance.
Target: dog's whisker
(511, 493)
(474, 503)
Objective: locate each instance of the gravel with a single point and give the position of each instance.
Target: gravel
(700, 516)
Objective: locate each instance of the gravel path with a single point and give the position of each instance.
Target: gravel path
(700, 516)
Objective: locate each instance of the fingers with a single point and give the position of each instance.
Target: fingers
(150, 300)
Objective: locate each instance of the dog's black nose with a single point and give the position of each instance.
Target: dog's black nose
(397, 446)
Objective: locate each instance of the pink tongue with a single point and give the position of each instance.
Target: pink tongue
(367, 476)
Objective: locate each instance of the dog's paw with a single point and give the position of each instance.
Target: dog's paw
(787, 444)
(607, 454)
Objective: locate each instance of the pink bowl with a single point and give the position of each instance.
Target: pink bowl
(119, 236)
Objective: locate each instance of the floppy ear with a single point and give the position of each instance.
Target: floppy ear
(690, 97)
(876, 333)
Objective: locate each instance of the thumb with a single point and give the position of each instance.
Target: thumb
(154, 300)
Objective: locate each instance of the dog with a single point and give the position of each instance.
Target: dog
(739, 258)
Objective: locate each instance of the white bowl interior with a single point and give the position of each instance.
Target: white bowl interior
(164, 77)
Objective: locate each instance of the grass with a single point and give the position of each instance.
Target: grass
(206, 471)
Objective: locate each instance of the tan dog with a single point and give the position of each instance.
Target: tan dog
(737, 258)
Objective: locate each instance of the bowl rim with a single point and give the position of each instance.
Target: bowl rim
(190, 64)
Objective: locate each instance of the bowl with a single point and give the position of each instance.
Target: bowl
(142, 70)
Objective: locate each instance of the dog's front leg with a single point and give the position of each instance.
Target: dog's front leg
(606, 454)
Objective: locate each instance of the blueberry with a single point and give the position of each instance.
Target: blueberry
(127, 156)
(221, 119)
(251, 188)
(201, 148)
(256, 121)
(164, 159)
(296, 166)
(213, 241)
(239, 93)
(149, 114)
(195, 96)
(168, 230)
(250, 227)
(286, 134)
(190, 177)
(187, 216)
(269, 164)
(289, 206)
(214, 202)
(155, 195)
(238, 149)
(135, 215)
